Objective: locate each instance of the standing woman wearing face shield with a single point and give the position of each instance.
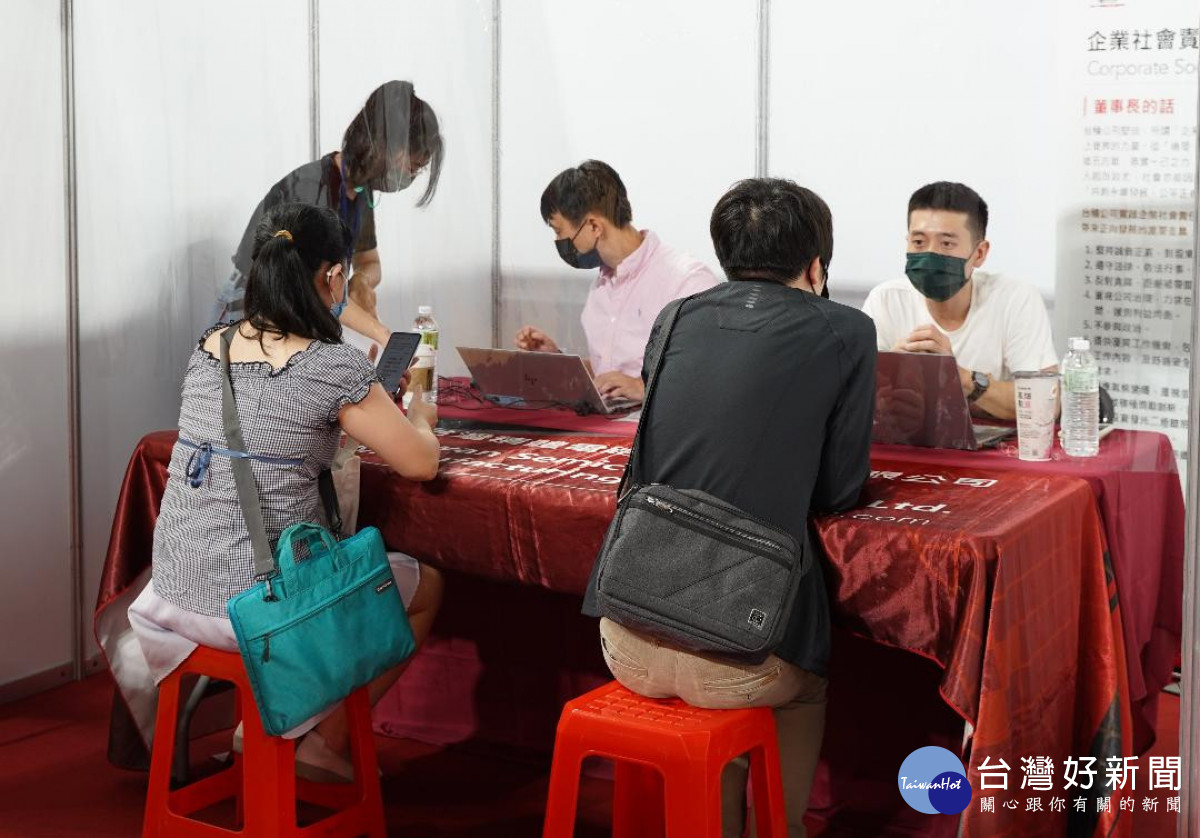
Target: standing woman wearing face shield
(388, 143)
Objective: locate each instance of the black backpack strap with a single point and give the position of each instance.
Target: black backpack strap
(631, 477)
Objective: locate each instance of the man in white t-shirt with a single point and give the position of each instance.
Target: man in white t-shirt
(992, 325)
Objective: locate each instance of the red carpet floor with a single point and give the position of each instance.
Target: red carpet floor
(56, 783)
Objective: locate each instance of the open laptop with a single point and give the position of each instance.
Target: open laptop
(919, 401)
(514, 376)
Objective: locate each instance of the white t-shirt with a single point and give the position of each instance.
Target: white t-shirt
(1007, 328)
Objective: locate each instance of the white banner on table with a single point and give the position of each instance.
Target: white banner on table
(1127, 225)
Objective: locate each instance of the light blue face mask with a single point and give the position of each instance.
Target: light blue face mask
(393, 181)
(338, 307)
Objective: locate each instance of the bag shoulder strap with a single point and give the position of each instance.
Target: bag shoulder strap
(333, 511)
(243, 476)
(327, 487)
(632, 477)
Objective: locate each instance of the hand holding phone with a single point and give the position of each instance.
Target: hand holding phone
(394, 362)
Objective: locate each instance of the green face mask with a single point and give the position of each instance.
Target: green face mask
(936, 275)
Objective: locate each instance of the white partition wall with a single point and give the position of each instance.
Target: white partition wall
(866, 107)
(439, 255)
(185, 116)
(35, 564)
(662, 92)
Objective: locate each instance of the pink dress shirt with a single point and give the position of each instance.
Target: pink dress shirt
(624, 302)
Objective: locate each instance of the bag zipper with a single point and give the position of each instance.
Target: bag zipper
(730, 508)
(266, 655)
(672, 508)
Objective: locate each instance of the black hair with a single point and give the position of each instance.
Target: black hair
(592, 186)
(771, 229)
(953, 197)
(280, 297)
(394, 120)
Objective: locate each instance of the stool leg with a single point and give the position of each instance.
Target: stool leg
(769, 810)
(158, 793)
(637, 801)
(239, 799)
(366, 762)
(693, 800)
(562, 796)
(183, 729)
(239, 764)
(268, 777)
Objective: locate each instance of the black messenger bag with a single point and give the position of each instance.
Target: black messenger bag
(692, 570)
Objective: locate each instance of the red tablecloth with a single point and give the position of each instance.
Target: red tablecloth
(997, 577)
(1136, 485)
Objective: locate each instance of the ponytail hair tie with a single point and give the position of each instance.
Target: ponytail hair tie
(283, 233)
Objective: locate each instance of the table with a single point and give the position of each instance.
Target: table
(1137, 488)
(997, 578)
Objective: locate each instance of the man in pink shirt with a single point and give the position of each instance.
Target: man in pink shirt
(589, 211)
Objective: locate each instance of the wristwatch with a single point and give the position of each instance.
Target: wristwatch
(981, 382)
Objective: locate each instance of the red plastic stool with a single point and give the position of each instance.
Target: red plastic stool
(262, 778)
(656, 743)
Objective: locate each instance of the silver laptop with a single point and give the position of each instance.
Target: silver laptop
(919, 401)
(538, 379)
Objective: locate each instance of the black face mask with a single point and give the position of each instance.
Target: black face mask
(938, 276)
(584, 261)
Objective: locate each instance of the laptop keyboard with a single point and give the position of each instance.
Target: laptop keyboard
(613, 405)
(986, 435)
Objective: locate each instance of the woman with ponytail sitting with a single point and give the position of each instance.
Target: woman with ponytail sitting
(297, 387)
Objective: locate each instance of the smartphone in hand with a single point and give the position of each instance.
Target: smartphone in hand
(397, 355)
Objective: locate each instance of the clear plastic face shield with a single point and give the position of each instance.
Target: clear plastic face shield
(392, 140)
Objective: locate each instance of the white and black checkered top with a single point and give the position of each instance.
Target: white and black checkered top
(202, 553)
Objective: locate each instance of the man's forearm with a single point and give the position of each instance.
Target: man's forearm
(999, 400)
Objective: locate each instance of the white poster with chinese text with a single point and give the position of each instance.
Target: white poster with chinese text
(1127, 225)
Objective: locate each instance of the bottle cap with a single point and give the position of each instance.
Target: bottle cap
(1079, 344)
(425, 311)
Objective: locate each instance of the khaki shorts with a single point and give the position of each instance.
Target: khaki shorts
(656, 670)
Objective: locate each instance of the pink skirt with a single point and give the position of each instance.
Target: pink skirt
(168, 633)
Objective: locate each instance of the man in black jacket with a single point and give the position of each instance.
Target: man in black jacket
(764, 400)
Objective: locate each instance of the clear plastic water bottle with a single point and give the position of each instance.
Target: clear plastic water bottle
(1080, 400)
(425, 368)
